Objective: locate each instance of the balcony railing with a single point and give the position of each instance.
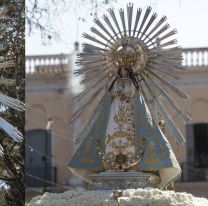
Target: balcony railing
(47, 63)
(192, 57)
(195, 57)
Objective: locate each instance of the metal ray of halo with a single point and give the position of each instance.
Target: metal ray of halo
(98, 33)
(90, 54)
(171, 42)
(121, 12)
(163, 67)
(113, 16)
(148, 103)
(176, 134)
(158, 51)
(163, 29)
(86, 91)
(147, 12)
(97, 21)
(138, 15)
(169, 64)
(87, 126)
(91, 58)
(169, 34)
(84, 130)
(86, 105)
(175, 89)
(106, 19)
(89, 46)
(80, 96)
(172, 59)
(167, 55)
(88, 60)
(129, 16)
(91, 77)
(110, 82)
(87, 36)
(152, 19)
(103, 77)
(184, 116)
(168, 74)
(90, 69)
(178, 58)
(93, 65)
(161, 21)
(85, 62)
(168, 60)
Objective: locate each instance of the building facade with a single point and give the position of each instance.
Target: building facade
(49, 102)
(49, 106)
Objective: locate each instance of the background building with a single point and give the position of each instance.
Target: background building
(193, 156)
(49, 137)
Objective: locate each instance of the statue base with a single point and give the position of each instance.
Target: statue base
(148, 196)
(124, 180)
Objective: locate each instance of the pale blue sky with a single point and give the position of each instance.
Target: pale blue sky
(189, 17)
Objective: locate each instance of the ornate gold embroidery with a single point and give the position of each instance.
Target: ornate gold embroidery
(122, 137)
(152, 160)
(88, 154)
(121, 161)
(86, 160)
(122, 115)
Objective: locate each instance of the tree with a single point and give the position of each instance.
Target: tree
(40, 15)
(12, 71)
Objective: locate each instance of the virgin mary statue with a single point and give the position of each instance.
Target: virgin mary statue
(125, 129)
(123, 133)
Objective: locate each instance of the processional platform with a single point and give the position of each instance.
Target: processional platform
(124, 180)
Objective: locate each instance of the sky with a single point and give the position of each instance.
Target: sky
(189, 17)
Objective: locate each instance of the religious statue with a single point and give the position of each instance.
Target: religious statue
(129, 76)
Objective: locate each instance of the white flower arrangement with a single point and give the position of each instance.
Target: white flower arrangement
(130, 197)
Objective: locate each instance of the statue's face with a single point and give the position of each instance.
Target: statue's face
(123, 72)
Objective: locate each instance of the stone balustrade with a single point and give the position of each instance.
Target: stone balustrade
(195, 57)
(192, 57)
(47, 63)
